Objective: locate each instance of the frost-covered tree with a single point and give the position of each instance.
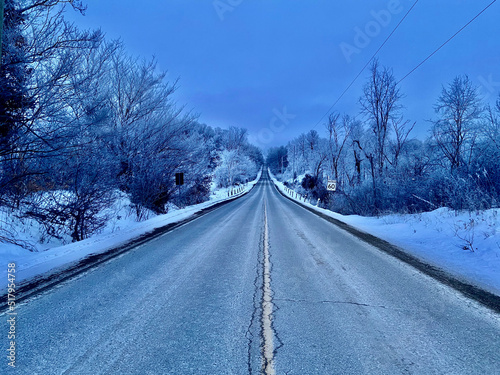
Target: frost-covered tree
(456, 130)
(14, 101)
(338, 134)
(42, 58)
(81, 120)
(401, 130)
(234, 138)
(380, 103)
(14, 76)
(234, 168)
(77, 172)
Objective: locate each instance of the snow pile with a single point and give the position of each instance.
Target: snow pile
(122, 229)
(33, 234)
(465, 244)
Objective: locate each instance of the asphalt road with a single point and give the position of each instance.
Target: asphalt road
(259, 285)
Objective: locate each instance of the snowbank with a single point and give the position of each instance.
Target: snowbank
(119, 232)
(442, 238)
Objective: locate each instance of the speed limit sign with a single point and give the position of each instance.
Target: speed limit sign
(331, 185)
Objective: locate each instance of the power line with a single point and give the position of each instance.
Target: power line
(367, 63)
(442, 45)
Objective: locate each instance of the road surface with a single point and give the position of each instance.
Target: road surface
(259, 285)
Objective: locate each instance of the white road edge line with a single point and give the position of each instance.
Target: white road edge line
(267, 308)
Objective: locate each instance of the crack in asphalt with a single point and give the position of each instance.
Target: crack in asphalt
(333, 302)
(276, 308)
(261, 322)
(337, 302)
(256, 306)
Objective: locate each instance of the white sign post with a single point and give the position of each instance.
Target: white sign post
(331, 185)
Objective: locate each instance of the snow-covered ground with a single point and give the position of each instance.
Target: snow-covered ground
(442, 238)
(52, 255)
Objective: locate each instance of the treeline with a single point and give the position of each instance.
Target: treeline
(82, 122)
(380, 168)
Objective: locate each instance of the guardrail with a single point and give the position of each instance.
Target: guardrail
(236, 190)
(292, 193)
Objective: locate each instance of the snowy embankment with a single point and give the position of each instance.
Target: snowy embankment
(442, 238)
(123, 229)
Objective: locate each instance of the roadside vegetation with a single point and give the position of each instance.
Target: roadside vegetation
(381, 168)
(83, 123)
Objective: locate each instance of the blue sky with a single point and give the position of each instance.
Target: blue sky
(276, 67)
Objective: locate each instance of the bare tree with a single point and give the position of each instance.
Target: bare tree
(42, 64)
(456, 131)
(380, 103)
(356, 137)
(235, 138)
(312, 139)
(402, 129)
(52, 53)
(142, 110)
(31, 5)
(492, 128)
(338, 134)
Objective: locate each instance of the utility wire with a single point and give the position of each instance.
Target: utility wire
(367, 63)
(442, 45)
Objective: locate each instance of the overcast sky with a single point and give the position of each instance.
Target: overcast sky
(276, 67)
